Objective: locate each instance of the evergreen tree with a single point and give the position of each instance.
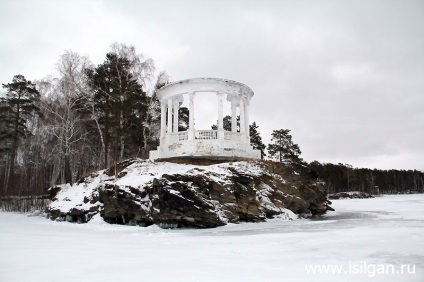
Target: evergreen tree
(6, 126)
(256, 139)
(121, 105)
(183, 119)
(16, 110)
(284, 150)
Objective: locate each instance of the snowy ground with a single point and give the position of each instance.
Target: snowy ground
(358, 242)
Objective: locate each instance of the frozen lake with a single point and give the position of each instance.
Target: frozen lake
(380, 239)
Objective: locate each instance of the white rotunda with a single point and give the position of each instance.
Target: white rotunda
(199, 143)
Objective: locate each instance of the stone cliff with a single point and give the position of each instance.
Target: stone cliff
(139, 192)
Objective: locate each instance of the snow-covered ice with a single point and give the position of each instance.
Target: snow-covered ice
(387, 230)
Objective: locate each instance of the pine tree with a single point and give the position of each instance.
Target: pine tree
(121, 106)
(183, 119)
(256, 139)
(284, 150)
(6, 126)
(16, 110)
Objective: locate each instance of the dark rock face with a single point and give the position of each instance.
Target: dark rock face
(179, 205)
(123, 205)
(183, 196)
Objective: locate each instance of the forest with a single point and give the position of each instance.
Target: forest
(57, 129)
(345, 178)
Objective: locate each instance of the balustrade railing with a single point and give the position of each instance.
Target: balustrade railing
(206, 134)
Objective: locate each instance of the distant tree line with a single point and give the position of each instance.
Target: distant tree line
(345, 178)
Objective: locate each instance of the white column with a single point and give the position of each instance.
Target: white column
(233, 116)
(176, 108)
(162, 119)
(220, 117)
(220, 113)
(169, 117)
(246, 117)
(242, 117)
(191, 116)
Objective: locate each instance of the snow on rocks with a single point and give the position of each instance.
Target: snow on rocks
(140, 192)
(350, 195)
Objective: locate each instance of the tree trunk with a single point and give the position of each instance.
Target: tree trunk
(14, 143)
(122, 140)
(67, 170)
(106, 138)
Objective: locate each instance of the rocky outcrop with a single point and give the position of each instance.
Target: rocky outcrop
(350, 195)
(138, 192)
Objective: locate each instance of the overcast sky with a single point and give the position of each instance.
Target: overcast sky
(347, 77)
